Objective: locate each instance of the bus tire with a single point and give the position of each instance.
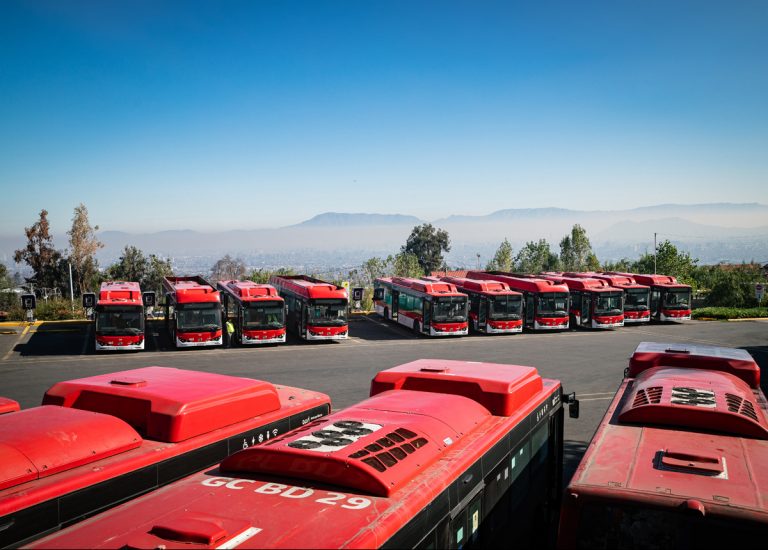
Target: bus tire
(416, 329)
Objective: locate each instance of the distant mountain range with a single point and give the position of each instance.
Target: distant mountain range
(716, 232)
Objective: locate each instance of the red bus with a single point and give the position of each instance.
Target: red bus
(119, 317)
(680, 459)
(493, 307)
(192, 312)
(101, 440)
(670, 300)
(317, 310)
(445, 454)
(636, 296)
(259, 312)
(546, 302)
(430, 307)
(594, 302)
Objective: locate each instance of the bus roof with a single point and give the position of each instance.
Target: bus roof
(487, 286)
(248, 291)
(119, 293)
(529, 284)
(678, 437)
(695, 356)
(308, 287)
(619, 281)
(665, 281)
(582, 283)
(167, 404)
(191, 290)
(431, 287)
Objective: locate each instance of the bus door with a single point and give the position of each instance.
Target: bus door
(529, 310)
(655, 301)
(302, 319)
(426, 311)
(586, 309)
(482, 313)
(395, 304)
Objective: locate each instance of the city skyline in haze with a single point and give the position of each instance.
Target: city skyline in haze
(237, 115)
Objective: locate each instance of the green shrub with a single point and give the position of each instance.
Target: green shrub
(729, 313)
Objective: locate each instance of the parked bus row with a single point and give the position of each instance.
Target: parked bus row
(490, 302)
(443, 454)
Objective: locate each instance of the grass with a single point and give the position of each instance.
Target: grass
(729, 312)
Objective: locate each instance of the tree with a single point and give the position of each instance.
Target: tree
(262, 276)
(373, 268)
(535, 257)
(669, 261)
(228, 268)
(428, 245)
(622, 265)
(405, 264)
(132, 266)
(503, 259)
(83, 246)
(155, 270)
(576, 251)
(39, 253)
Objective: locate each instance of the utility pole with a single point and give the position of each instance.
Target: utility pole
(654, 253)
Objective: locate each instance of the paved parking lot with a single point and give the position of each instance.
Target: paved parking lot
(591, 363)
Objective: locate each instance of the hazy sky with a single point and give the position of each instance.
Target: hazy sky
(226, 114)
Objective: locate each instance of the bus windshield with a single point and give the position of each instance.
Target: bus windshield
(264, 315)
(677, 299)
(505, 307)
(328, 312)
(608, 303)
(636, 299)
(450, 309)
(198, 317)
(119, 320)
(552, 304)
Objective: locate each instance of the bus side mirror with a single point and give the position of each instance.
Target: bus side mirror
(89, 300)
(378, 294)
(573, 405)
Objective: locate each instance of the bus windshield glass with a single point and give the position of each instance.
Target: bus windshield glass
(328, 312)
(450, 309)
(119, 320)
(506, 307)
(636, 299)
(608, 303)
(198, 317)
(553, 304)
(264, 315)
(677, 299)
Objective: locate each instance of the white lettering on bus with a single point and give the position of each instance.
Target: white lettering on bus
(290, 491)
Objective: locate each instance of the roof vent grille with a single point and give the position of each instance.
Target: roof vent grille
(741, 406)
(693, 397)
(647, 396)
(391, 455)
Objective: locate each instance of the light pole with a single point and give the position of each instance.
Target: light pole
(654, 253)
(71, 291)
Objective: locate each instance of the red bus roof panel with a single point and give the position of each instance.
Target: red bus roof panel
(376, 446)
(309, 287)
(46, 440)
(488, 286)
(248, 291)
(501, 389)
(8, 405)
(581, 283)
(529, 284)
(432, 288)
(695, 399)
(167, 404)
(120, 293)
(191, 290)
(695, 356)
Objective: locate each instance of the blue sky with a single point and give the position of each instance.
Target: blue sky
(221, 115)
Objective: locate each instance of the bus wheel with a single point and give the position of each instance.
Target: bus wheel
(416, 329)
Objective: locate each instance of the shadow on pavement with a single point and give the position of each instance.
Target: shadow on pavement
(573, 451)
(760, 354)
